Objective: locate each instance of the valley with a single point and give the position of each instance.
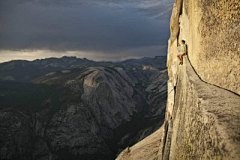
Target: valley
(77, 108)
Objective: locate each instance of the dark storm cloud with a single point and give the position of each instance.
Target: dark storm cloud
(106, 26)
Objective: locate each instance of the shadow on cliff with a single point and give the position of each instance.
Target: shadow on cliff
(210, 83)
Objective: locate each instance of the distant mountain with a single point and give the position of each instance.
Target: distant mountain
(87, 111)
(158, 62)
(26, 71)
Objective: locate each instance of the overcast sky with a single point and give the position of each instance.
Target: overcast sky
(95, 29)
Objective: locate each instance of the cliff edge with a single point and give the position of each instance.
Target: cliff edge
(202, 119)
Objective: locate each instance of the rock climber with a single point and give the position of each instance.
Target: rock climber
(183, 52)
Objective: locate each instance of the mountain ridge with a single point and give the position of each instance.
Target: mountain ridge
(26, 71)
(85, 111)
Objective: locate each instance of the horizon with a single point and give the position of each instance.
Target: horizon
(80, 58)
(105, 30)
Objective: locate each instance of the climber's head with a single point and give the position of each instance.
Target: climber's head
(183, 42)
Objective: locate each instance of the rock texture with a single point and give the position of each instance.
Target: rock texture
(211, 30)
(202, 118)
(83, 112)
(146, 149)
(202, 122)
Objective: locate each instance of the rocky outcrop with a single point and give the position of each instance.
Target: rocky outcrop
(146, 149)
(202, 115)
(202, 122)
(211, 30)
(86, 112)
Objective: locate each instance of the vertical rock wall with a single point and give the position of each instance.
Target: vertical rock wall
(203, 108)
(202, 120)
(211, 29)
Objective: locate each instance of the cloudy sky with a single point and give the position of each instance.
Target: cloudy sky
(95, 29)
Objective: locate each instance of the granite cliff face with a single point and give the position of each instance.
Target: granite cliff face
(211, 30)
(91, 111)
(203, 107)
